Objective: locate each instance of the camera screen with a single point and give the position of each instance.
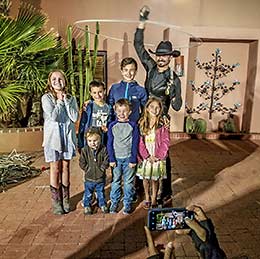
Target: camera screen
(168, 219)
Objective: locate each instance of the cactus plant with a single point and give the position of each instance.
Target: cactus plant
(95, 49)
(230, 125)
(195, 125)
(90, 62)
(189, 124)
(88, 74)
(80, 68)
(200, 126)
(86, 64)
(70, 60)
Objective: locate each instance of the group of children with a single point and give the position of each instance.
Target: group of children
(129, 135)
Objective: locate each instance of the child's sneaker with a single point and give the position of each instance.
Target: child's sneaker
(87, 211)
(113, 209)
(104, 209)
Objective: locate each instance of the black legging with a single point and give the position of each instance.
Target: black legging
(166, 188)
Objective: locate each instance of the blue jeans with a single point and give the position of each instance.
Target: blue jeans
(122, 169)
(89, 190)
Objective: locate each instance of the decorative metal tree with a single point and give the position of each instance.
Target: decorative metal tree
(214, 88)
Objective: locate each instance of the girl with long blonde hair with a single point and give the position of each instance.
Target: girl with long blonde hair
(60, 112)
(153, 150)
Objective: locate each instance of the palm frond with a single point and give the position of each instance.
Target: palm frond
(9, 95)
(27, 54)
(41, 43)
(28, 16)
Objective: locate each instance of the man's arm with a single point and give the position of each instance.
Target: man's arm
(142, 53)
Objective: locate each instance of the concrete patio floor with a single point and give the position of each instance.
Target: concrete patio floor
(223, 176)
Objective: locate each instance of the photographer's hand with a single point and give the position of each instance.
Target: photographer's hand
(168, 251)
(152, 249)
(197, 228)
(199, 213)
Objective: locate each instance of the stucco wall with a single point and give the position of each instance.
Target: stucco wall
(233, 19)
(21, 139)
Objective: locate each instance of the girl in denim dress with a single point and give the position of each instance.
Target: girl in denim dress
(60, 112)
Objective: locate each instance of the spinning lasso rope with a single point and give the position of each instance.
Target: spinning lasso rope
(79, 24)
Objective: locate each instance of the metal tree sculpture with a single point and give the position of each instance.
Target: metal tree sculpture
(214, 88)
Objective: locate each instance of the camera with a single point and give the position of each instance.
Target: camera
(168, 218)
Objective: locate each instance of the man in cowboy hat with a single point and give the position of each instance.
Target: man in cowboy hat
(161, 81)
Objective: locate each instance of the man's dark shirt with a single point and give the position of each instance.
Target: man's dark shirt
(158, 84)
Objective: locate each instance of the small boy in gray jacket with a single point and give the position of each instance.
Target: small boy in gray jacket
(94, 161)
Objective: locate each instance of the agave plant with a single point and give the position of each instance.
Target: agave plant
(27, 54)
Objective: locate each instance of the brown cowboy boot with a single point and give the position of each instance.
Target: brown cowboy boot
(66, 198)
(56, 201)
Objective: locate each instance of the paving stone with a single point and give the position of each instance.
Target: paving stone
(222, 176)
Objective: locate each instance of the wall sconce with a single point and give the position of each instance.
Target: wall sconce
(179, 65)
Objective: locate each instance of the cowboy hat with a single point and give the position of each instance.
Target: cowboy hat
(165, 48)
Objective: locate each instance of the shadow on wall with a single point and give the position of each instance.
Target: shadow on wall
(114, 62)
(113, 69)
(35, 3)
(125, 47)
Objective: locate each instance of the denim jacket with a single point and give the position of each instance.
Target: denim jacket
(53, 113)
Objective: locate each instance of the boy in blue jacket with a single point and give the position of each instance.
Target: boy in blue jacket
(128, 89)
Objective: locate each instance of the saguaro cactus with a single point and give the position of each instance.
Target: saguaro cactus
(86, 64)
(80, 68)
(70, 60)
(90, 63)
